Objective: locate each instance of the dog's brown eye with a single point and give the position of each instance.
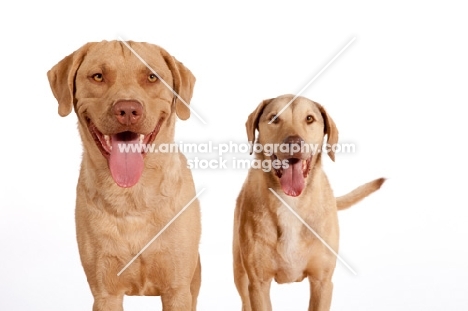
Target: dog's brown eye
(152, 78)
(310, 119)
(98, 77)
(274, 119)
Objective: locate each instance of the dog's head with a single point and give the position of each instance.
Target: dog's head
(122, 95)
(292, 137)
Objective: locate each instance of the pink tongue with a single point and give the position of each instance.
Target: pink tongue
(292, 180)
(126, 166)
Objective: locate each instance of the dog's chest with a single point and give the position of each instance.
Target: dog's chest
(129, 221)
(290, 247)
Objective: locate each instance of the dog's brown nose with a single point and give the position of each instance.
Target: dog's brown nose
(295, 144)
(128, 112)
(293, 140)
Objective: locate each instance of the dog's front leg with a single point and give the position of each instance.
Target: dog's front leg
(108, 303)
(259, 293)
(177, 300)
(320, 294)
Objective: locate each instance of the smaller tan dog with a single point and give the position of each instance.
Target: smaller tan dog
(269, 241)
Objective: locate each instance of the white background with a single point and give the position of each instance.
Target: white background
(398, 92)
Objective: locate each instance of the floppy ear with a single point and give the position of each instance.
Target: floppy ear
(183, 84)
(62, 79)
(330, 130)
(252, 121)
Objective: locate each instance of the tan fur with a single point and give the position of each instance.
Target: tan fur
(269, 241)
(353, 197)
(112, 223)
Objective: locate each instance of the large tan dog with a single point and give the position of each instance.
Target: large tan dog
(124, 198)
(270, 242)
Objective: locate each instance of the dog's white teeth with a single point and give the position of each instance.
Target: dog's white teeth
(108, 142)
(142, 138)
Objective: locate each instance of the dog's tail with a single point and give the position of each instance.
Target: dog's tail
(358, 194)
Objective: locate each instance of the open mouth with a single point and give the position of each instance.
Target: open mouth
(124, 152)
(292, 176)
